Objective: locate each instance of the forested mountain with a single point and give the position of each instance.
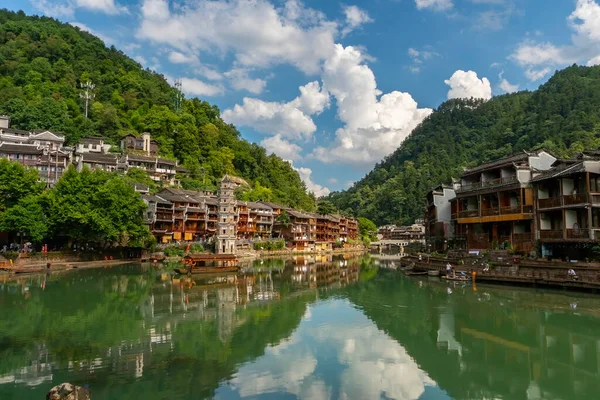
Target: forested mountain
(562, 116)
(42, 64)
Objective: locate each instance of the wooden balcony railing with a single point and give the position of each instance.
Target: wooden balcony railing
(551, 234)
(569, 200)
(489, 183)
(576, 199)
(522, 237)
(486, 212)
(578, 234)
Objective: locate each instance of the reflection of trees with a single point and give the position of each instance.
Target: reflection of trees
(102, 328)
(490, 343)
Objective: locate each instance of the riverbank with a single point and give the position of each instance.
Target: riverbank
(515, 271)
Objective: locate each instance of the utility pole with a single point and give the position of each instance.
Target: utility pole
(87, 94)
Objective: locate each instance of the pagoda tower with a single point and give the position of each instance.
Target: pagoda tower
(227, 223)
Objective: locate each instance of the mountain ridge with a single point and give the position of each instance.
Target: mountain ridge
(42, 64)
(562, 116)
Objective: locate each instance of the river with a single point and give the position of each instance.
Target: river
(305, 328)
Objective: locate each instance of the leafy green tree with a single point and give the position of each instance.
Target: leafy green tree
(97, 206)
(325, 207)
(367, 228)
(256, 193)
(16, 183)
(27, 216)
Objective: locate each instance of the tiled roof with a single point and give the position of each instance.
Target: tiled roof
(298, 214)
(20, 148)
(92, 140)
(147, 159)
(498, 163)
(47, 135)
(99, 158)
(155, 199)
(274, 205)
(261, 206)
(566, 169)
(15, 131)
(9, 137)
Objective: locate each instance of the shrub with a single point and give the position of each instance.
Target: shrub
(269, 245)
(174, 251)
(196, 248)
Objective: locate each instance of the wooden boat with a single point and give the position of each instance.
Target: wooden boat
(199, 260)
(460, 278)
(27, 270)
(414, 273)
(433, 273)
(206, 270)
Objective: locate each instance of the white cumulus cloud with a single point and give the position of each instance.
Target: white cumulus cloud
(240, 80)
(467, 84)
(291, 120)
(505, 85)
(537, 59)
(176, 57)
(105, 6)
(256, 32)
(281, 147)
(196, 87)
(375, 124)
(55, 9)
(305, 175)
(355, 18)
(435, 5)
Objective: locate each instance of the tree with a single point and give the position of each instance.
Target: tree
(367, 229)
(16, 183)
(99, 207)
(256, 193)
(325, 207)
(27, 216)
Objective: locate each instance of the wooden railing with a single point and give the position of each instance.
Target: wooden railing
(569, 200)
(522, 237)
(489, 183)
(551, 234)
(486, 212)
(578, 234)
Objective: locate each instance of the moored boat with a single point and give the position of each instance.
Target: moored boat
(206, 270)
(460, 278)
(433, 273)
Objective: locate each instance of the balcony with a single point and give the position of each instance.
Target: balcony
(494, 214)
(569, 200)
(568, 235)
(469, 187)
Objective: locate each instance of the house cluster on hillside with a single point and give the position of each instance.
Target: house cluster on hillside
(515, 201)
(188, 215)
(45, 151)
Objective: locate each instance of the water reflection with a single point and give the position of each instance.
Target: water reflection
(313, 327)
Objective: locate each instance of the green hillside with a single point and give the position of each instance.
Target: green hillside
(43, 62)
(562, 116)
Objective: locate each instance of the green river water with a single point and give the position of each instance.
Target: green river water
(304, 328)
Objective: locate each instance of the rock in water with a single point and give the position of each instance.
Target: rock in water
(67, 391)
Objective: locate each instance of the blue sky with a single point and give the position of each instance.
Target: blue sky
(336, 86)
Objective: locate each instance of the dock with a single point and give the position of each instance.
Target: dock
(526, 272)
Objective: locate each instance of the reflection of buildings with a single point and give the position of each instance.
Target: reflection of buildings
(498, 344)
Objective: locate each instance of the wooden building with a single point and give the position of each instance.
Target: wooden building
(255, 220)
(438, 216)
(299, 232)
(494, 204)
(568, 206)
